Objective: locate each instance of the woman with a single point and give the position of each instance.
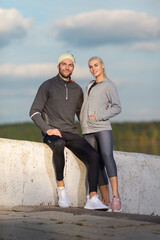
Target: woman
(101, 102)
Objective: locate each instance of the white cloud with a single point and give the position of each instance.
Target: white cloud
(81, 72)
(146, 46)
(47, 70)
(27, 70)
(12, 25)
(38, 70)
(17, 92)
(108, 27)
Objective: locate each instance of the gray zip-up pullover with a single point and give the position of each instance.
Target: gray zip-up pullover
(55, 105)
(104, 93)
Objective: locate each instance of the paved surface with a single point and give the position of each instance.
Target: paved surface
(53, 223)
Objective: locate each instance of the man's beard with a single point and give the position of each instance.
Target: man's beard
(64, 76)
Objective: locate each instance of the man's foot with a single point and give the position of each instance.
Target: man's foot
(63, 200)
(95, 204)
(115, 205)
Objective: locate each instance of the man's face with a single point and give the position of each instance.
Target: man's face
(66, 68)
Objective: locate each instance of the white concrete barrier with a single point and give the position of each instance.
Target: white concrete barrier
(27, 178)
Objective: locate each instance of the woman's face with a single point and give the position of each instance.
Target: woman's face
(96, 68)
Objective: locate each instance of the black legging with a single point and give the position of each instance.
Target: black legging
(81, 148)
(103, 142)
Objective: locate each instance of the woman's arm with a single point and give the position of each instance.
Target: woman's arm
(115, 106)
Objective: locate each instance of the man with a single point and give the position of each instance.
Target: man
(53, 111)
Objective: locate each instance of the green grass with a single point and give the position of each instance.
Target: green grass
(142, 137)
(21, 131)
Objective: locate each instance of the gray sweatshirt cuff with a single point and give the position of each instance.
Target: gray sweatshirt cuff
(38, 120)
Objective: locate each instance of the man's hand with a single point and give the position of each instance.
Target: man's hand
(55, 131)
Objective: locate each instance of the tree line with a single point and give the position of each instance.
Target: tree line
(142, 137)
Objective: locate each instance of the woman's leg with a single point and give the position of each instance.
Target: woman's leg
(104, 189)
(105, 141)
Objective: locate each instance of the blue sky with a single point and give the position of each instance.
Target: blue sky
(125, 34)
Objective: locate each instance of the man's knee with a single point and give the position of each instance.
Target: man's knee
(55, 142)
(59, 144)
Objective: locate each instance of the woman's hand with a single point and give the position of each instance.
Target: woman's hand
(93, 116)
(107, 107)
(73, 81)
(55, 131)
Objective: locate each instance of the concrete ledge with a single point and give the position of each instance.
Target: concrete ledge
(27, 178)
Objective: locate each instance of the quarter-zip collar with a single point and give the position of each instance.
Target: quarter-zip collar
(64, 83)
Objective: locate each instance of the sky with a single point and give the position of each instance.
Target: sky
(125, 34)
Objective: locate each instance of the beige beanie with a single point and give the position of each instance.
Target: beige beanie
(64, 56)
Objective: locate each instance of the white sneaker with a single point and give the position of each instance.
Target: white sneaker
(63, 200)
(95, 204)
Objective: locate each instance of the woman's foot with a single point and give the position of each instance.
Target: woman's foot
(115, 205)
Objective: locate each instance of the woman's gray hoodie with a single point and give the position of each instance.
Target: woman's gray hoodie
(104, 93)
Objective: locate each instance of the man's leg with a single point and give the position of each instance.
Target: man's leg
(102, 180)
(83, 150)
(57, 145)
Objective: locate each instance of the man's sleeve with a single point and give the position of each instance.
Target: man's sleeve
(79, 105)
(37, 108)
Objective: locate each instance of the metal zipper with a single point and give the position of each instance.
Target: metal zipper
(66, 91)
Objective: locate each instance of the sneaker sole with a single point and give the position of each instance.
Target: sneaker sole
(63, 206)
(117, 210)
(109, 210)
(100, 209)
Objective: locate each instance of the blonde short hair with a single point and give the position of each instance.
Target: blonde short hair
(100, 60)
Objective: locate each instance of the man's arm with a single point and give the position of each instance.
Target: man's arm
(79, 105)
(37, 108)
